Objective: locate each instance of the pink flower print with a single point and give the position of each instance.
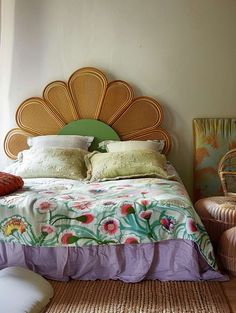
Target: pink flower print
(44, 205)
(127, 209)
(167, 223)
(47, 229)
(67, 237)
(81, 205)
(144, 192)
(110, 226)
(66, 197)
(146, 215)
(130, 239)
(85, 218)
(145, 202)
(191, 226)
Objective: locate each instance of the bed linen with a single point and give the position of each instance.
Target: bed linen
(130, 229)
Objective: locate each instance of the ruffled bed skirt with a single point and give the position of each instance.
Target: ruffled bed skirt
(167, 260)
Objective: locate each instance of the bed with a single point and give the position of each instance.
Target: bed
(113, 224)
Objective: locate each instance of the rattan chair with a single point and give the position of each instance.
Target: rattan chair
(218, 214)
(227, 173)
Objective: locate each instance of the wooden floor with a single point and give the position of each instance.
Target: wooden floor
(230, 292)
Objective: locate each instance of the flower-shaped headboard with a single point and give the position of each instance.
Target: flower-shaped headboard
(87, 95)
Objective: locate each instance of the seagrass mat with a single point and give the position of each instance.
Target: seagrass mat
(144, 297)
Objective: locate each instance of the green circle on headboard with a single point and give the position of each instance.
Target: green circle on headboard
(89, 127)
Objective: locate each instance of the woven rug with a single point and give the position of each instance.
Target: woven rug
(144, 297)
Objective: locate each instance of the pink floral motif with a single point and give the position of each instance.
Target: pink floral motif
(81, 205)
(130, 239)
(85, 218)
(146, 215)
(47, 229)
(167, 223)
(145, 202)
(127, 209)
(66, 197)
(110, 226)
(44, 205)
(123, 196)
(191, 226)
(66, 236)
(144, 192)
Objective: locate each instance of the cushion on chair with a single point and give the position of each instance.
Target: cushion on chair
(227, 250)
(217, 214)
(23, 291)
(9, 183)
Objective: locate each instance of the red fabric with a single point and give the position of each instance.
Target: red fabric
(9, 183)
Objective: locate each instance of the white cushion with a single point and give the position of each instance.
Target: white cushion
(23, 291)
(62, 141)
(128, 145)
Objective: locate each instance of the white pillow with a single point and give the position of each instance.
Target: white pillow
(23, 291)
(121, 146)
(62, 141)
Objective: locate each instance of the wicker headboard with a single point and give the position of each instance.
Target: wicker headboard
(87, 95)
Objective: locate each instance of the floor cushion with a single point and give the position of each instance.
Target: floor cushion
(23, 291)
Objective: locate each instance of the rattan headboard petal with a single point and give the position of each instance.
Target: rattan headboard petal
(87, 95)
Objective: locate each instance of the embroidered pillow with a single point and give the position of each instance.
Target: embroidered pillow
(52, 162)
(119, 146)
(63, 141)
(9, 183)
(126, 164)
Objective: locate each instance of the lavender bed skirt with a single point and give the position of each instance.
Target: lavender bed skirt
(168, 260)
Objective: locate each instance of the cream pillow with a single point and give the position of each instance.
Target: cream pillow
(63, 141)
(23, 291)
(126, 164)
(52, 162)
(119, 146)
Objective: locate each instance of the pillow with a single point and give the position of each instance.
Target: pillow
(23, 291)
(52, 162)
(119, 146)
(63, 141)
(126, 164)
(9, 183)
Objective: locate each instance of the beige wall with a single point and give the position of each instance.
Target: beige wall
(181, 52)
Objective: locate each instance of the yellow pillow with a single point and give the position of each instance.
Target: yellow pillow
(126, 164)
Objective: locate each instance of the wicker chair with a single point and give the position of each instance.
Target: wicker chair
(218, 214)
(227, 173)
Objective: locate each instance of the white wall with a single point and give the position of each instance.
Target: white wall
(183, 53)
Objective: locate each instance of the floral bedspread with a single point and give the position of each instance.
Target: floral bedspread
(54, 212)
